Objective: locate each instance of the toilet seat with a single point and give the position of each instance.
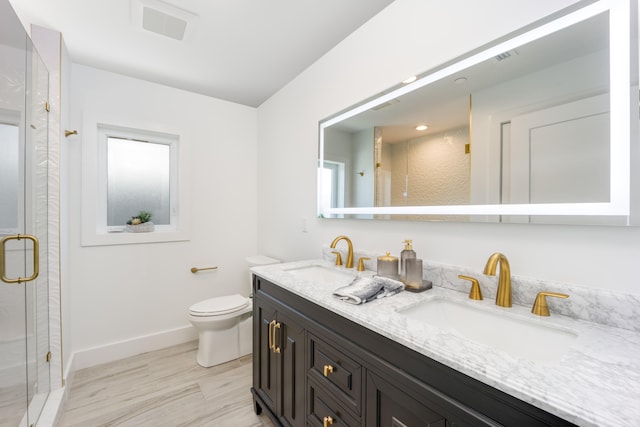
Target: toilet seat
(219, 306)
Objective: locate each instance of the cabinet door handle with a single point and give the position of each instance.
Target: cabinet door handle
(328, 369)
(276, 348)
(271, 331)
(327, 421)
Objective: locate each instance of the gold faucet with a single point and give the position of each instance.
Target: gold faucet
(503, 296)
(349, 254)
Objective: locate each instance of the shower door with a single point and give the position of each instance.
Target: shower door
(24, 304)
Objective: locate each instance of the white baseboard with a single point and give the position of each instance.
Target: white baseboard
(131, 347)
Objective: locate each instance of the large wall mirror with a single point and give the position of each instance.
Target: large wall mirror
(536, 127)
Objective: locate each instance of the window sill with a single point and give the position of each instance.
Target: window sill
(122, 237)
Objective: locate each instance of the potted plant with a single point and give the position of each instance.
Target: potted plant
(140, 223)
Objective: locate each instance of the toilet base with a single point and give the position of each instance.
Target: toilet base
(230, 340)
(245, 338)
(216, 347)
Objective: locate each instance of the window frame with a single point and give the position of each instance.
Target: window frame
(94, 229)
(108, 131)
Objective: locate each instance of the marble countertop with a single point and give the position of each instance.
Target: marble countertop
(596, 383)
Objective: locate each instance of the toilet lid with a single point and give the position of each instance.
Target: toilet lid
(220, 305)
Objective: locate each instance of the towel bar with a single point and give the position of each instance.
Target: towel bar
(194, 270)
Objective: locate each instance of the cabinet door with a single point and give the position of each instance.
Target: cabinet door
(291, 399)
(388, 406)
(264, 360)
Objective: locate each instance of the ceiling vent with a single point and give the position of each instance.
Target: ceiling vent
(162, 18)
(385, 104)
(506, 55)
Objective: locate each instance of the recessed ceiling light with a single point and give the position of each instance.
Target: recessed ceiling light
(422, 127)
(460, 80)
(409, 80)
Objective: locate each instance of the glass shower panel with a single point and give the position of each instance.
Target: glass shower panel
(36, 224)
(24, 313)
(13, 353)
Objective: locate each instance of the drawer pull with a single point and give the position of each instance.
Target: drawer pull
(327, 421)
(328, 369)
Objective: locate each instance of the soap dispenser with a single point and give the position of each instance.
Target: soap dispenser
(407, 253)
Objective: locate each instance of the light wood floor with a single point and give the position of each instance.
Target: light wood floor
(164, 388)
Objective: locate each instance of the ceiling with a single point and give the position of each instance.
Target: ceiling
(237, 50)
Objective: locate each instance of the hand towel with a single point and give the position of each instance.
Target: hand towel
(363, 290)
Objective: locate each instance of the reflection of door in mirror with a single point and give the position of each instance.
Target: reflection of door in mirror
(547, 103)
(559, 154)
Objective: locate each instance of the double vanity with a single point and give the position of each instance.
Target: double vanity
(512, 137)
(436, 358)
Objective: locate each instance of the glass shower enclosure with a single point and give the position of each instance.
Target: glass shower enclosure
(24, 301)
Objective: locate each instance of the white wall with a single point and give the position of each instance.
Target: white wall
(408, 37)
(123, 292)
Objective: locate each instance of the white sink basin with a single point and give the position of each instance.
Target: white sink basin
(520, 337)
(323, 275)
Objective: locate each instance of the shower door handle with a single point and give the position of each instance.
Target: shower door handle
(36, 258)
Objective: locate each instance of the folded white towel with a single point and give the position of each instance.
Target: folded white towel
(363, 289)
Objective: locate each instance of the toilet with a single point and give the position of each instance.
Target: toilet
(224, 324)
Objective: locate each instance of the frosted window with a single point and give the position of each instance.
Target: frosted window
(138, 179)
(9, 177)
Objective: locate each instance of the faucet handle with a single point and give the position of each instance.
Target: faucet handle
(475, 292)
(540, 306)
(361, 261)
(338, 257)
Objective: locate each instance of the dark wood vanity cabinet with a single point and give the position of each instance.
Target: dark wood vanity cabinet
(279, 356)
(313, 367)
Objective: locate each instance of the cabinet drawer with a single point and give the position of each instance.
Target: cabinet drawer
(322, 406)
(339, 373)
(388, 406)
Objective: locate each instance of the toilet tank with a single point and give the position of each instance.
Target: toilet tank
(255, 261)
